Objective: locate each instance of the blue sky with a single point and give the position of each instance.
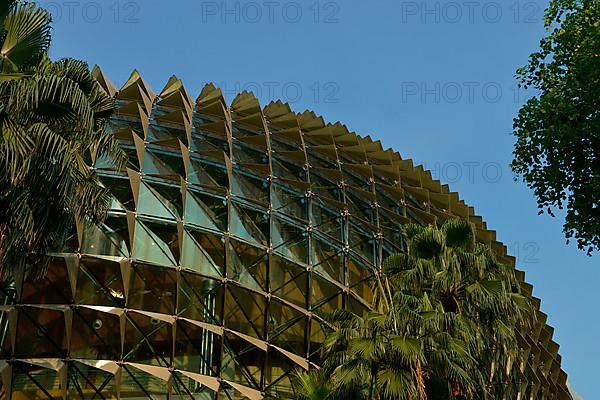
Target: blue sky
(433, 80)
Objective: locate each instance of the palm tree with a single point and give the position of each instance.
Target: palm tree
(313, 385)
(444, 327)
(373, 357)
(52, 118)
(471, 309)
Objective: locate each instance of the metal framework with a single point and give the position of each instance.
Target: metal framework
(232, 231)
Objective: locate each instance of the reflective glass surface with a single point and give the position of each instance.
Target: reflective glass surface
(233, 231)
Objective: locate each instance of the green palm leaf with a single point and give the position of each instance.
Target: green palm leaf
(26, 35)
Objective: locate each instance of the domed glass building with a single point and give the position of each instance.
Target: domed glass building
(232, 231)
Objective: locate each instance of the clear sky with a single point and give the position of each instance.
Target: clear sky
(433, 80)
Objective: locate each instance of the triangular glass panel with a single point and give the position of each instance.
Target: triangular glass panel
(204, 174)
(392, 230)
(188, 388)
(278, 370)
(203, 253)
(280, 143)
(138, 384)
(247, 265)
(357, 269)
(133, 161)
(320, 161)
(288, 281)
(95, 335)
(152, 203)
(250, 188)
(42, 333)
(249, 225)
(104, 162)
(205, 211)
(153, 289)
(242, 361)
(290, 240)
(286, 170)
(148, 246)
(103, 240)
(287, 327)
(155, 164)
(360, 208)
(327, 259)
(353, 181)
(289, 203)
(52, 288)
(88, 382)
(6, 347)
(30, 381)
(170, 195)
(99, 282)
(147, 340)
(120, 188)
(173, 160)
(244, 154)
(218, 173)
(325, 188)
(115, 205)
(325, 296)
(327, 221)
(158, 133)
(201, 144)
(245, 311)
(196, 349)
(200, 298)
(362, 243)
(387, 201)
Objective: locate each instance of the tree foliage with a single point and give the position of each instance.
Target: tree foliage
(25, 36)
(470, 307)
(557, 152)
(444, 326)
(52, 117)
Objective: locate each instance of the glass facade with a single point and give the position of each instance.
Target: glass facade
(232, 231)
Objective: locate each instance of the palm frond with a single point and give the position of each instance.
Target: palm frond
(26, 36)
(459, 233)
(52, 124)
(312, 385)
(397, 383)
